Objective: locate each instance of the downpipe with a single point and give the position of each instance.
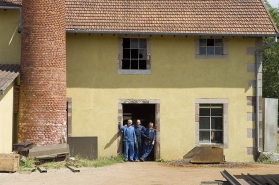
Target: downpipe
(257, 90)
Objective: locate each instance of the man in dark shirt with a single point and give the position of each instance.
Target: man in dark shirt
(149, 141)
(138, 146)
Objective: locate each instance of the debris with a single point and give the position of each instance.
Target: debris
(230, 178)
(49, 152)
(205, 155)
(22, 147)
(9, 162)
(42, 169)
(73, 169)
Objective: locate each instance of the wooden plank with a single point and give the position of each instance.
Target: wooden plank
(73, 169)
(269, 180)
(49, 150)
(42, 169)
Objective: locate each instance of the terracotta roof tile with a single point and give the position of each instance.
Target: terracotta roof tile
(179, 16)
(8, 72)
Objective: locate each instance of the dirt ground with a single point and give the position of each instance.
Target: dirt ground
(134, 173)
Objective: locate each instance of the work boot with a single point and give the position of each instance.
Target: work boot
(141, 159)
(137, 160)
(125, 160)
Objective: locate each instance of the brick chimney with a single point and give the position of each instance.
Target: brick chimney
(42, 109)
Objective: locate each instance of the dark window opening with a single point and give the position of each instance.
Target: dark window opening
(144, 112)
(134, 52)
(210, 46)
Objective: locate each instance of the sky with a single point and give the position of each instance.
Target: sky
(274, 3)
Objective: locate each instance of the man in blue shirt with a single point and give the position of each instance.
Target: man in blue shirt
(149, 141)
(138, 146)
(128, 140)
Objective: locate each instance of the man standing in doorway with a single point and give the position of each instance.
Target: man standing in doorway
(128, 140)
(138, 146)
(149, 141)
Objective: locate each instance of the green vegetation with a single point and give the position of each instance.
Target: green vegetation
(271, 60)
(160, 160)
(26, 163)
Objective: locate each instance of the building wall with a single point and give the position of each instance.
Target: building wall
(6, 119)
(177, 79)
(9, 37)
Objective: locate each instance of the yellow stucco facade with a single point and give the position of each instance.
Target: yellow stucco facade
(177, 79)
(6, 119)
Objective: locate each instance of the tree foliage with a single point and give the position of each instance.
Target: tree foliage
(271, 60)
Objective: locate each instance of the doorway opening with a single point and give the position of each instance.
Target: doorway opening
(143, 112)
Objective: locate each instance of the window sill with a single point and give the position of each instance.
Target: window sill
(216, 57)
(212, 145)
(134, 72)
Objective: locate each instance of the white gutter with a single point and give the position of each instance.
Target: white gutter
(20, 13)
(257, 90)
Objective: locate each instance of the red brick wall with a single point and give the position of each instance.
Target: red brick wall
(42, 108)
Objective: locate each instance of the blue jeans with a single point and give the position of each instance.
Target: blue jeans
(129, 145)
(147, 149)
(138, 149)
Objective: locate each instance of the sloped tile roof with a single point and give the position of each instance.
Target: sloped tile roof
(8, 72)
(10, 3)
(175, 16)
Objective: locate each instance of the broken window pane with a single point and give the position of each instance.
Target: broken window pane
(217, 123)
(134, 53)
(204, 110)
(142, 64)
(204, 123)
(217, 137)
(204, 136)
(202, 50)
(142, 43)
(134, 43)
(218, 51)
(210, 51)
(126, 43)
(126, 53)
(218, 42)
(210, 42)
(134, 64)
(142, 54)
(126, 64)
(202, 42)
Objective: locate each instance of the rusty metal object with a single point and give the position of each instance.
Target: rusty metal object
(22, 147)
(205, 155)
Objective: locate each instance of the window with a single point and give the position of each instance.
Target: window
(211, 123)
(210, 46)
(134, 53)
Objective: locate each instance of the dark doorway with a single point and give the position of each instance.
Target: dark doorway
(143, 112)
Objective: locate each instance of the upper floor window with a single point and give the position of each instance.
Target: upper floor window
(210, 46)
(134, 55)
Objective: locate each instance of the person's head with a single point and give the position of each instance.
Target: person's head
(138, 123)
(150, 125)
(130, 122)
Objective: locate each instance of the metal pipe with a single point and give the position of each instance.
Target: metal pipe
(257, 90)
(20, 14)
(167, 33)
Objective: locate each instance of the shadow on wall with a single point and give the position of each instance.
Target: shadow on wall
(92, 63)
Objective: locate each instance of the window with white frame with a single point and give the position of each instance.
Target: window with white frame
(210, 46)
(211, 123)
(134, 53)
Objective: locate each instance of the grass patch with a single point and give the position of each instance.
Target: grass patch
(53, 165)
(26, 163)
(160, 160)
(104, 161)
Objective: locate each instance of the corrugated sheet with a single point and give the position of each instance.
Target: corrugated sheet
(8, 72)
(178, 16)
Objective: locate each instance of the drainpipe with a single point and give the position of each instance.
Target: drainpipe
(20, 14)
(257, 90)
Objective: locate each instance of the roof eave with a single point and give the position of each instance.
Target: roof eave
(171, 33)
